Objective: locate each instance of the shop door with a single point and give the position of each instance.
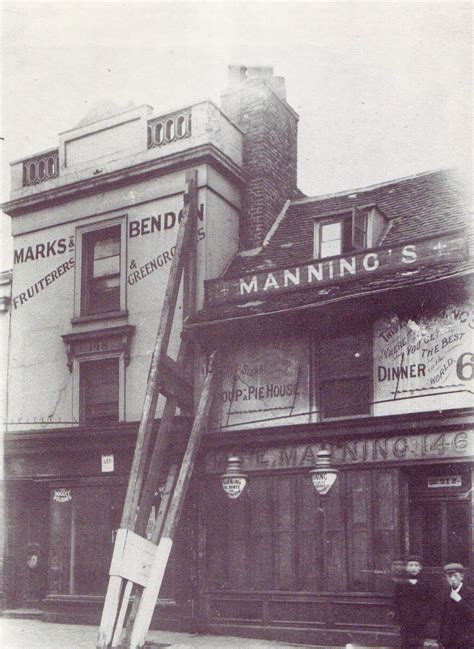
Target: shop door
(440, 515)
(440, 526)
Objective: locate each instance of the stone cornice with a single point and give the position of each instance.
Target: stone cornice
(206, 153)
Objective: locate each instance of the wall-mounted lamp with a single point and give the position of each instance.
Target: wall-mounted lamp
(324, 474)
(233, 480)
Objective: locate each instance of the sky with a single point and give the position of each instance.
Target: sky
(383, 89)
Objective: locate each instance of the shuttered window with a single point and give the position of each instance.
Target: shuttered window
(344, 376)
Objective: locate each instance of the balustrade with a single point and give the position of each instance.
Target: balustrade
(40, 168)
(169, 128)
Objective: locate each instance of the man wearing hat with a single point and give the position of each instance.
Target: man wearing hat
(412, 604)
(457, 615)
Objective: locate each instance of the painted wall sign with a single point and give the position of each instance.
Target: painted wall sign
(429, 356)
(443, 481)
(43, 250)
(155, 263)
(41, 284)
(107, 463)
(157, 223)
(364, 451)
(319, 273)
(264, 382)
(62, 495)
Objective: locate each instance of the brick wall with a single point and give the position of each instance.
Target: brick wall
(256, 102)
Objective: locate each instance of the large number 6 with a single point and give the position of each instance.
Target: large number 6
(462, 364)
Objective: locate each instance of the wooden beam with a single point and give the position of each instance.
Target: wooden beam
(160, 517)
(175, 385)
(183, 243)
(161, 345)
(152, 590)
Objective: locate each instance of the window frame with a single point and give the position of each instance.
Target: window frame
(81, 275)
(78, 405)
(318, 380)
(82, 393)
(337, 216)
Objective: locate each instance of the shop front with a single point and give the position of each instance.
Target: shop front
(281, 561)
(64, 499)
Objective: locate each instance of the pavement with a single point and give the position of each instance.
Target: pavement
(35, 634)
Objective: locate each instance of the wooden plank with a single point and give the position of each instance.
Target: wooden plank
(160, 517)
(190, 270)
(151, 592)
(149, 407)
(121, 616)
(158, 456)
(334, 545)
(309, 560)
(175, 385)
(323, 272)
(285, 532)
(238, 558)
(359, 529)
(134, 559)
(386, 496)
(159, 352)
(261, 540)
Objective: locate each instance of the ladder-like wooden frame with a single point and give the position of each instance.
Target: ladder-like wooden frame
(137, 563)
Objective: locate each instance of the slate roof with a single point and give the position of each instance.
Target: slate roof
(425, 205)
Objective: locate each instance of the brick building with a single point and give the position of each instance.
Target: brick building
(343, 321)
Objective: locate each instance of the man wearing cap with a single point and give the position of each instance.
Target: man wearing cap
(412, 599)
(457, 615)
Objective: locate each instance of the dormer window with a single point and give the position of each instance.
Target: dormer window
(355, 229)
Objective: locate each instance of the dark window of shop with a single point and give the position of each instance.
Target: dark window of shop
(99, 381)
(345, 377)
(341, 234)
(440, 515)
(84, 519)
(101, 271)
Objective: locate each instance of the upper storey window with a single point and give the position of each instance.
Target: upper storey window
(340, 233)
(101, 290)
(101, 259)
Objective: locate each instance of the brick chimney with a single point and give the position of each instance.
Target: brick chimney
(256, 101)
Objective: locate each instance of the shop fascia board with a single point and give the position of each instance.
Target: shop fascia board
(345, 430)
(117, 435)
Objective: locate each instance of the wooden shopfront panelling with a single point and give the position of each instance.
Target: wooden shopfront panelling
(280, 537)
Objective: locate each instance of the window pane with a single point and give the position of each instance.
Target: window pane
(345, 356)
(101, 254)
(106, 266)
(330, 248)
(331, 231)
(100, 385)
(107, 247)
(92, 539)
(344, 397)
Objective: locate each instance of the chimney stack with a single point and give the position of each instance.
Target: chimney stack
(256, 101)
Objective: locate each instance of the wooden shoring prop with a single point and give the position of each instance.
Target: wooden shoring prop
(186, 239)
(152, 589)
(158, 525)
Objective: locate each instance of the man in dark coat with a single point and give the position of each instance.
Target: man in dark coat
(457, 615)
(412, 604)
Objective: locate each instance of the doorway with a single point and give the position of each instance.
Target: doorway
(440, 514)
